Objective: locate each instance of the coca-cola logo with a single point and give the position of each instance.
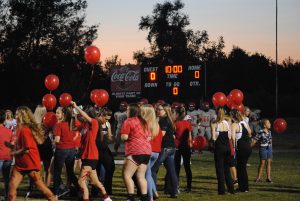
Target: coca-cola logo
(128, 76)
(124, 77)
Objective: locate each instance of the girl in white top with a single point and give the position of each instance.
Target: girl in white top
(221, 135)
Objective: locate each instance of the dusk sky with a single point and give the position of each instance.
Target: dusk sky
(247, 24)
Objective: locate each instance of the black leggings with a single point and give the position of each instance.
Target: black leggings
(243, 152)
(222, 159)
(185, 152)
(107, 160)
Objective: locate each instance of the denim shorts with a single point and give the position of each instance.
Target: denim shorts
(265, 153)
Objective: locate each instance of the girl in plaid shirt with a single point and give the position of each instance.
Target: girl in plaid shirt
(264, 139)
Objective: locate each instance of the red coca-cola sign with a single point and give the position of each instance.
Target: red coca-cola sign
(125, 79)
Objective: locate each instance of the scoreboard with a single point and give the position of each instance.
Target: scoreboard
(172, 82)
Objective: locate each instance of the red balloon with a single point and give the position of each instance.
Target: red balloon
(236, 96)
(49, 101)
(65, 99)
(219, 99)
(92, 54)
(229, 103)
(93, 94)
(199, 142)
(101, 97)
(279, 125)
(238, 107)
(51, 82)
(49, 119)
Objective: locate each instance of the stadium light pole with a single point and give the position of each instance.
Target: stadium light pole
(276, 66)
(205, 92)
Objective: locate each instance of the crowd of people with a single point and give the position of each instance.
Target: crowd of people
(153, 135)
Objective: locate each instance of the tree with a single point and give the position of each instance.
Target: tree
(42, 37)
(171, 41)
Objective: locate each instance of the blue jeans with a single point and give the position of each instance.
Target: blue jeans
(150, 182)
(167, 156)
(265, 153)
(5, 166)
(61, 157)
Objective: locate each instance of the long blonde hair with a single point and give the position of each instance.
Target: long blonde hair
(220, 115)
(168, 110)
(26, 118)
(148, 113)
(39, 113)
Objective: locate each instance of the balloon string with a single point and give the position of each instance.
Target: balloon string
(90, 82)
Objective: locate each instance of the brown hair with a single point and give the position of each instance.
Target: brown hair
(26, 118)
(263, 122)
(135, 111)
(167, 109)
(236, 115)
(181, 113)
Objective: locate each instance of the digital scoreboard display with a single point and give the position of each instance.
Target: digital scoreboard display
(172, 82)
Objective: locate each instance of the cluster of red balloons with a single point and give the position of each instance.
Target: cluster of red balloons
(233, 101)
(99, 97)
(199, 142)
(49, 100)
(92, 55)
(279, 125)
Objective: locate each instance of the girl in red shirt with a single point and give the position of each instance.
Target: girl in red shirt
(183, 141)
(27, 157)
(136, 135)
(89, 151)
(65, 149)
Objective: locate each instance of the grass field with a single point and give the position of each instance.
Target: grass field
(285, 175)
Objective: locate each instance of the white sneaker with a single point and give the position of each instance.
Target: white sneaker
(107, 199)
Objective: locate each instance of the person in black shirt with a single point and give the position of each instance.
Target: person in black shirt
(106, 164)
(167, 153)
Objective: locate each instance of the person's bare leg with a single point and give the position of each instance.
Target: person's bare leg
(41, 186)
(129, 169)
(14, 182)
(260, 169)
(269, 169)
(95, 181)
(141, 179)
(84, 173)
(50, 172)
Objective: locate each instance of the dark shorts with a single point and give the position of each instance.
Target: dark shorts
(77, 154)
(139, 159)
(232, 161)
(91, 163)
(265, 153)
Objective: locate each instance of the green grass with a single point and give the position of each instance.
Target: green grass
(285, 174)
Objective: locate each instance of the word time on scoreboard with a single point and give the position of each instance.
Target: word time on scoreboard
(172, 81)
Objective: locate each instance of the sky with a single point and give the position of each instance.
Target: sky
(248, 24)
